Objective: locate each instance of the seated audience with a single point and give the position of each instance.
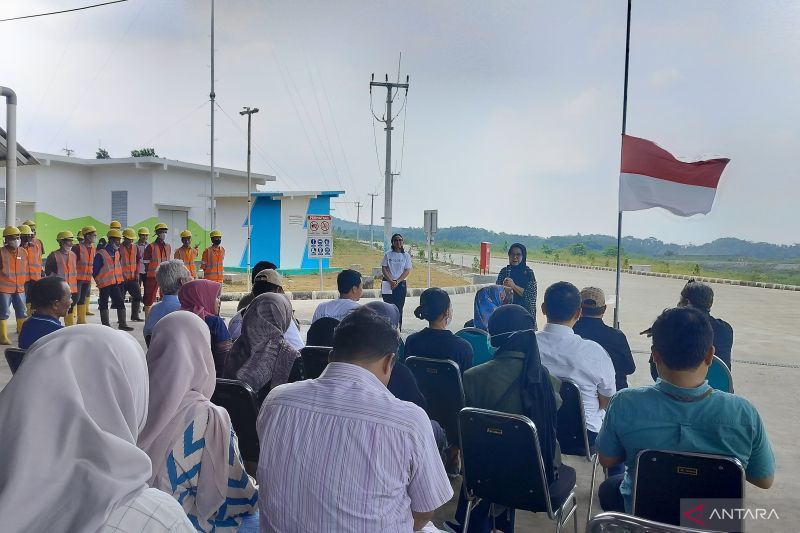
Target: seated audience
(261, 357)
(208, 478)
(487, 300)
(202, 297)
(50, 299)
(515, 382)
(436, 341)
(170, 275)
(590, 326)
(71, 462)
(257, 268)
(568, 356)
(681, 412)
(384, 472)
(320, 333)
(268, 280)
(349, 284)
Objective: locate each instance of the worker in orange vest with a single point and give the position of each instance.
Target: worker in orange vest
(129, 259)
(187, 253)
(26, 236)
(63, 263)
(213, 258)
(156, 252)
(107, 272)
(84, 254)
(32, 224)
(13, 275)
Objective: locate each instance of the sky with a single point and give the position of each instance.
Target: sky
(513, 115)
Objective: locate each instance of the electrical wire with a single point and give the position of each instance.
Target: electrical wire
(179, 121)
(63, 11)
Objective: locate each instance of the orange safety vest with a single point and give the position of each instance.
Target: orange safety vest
(85, 262)
(111, 271)
(67, 268)
(34, 262)
(13, 270)
(213, 258)
(188, 255)
(158, 254)
(40, 245)
(129, 262)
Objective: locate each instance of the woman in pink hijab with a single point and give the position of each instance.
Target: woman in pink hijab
(202, 297)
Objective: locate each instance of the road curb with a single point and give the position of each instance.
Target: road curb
(368, 293)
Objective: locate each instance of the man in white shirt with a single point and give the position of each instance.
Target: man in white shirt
(350, 290)
(568, 356)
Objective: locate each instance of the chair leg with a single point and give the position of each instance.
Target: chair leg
(591, 489)
(466, 515)
(575, 515)
(491, 513)
(563, 517)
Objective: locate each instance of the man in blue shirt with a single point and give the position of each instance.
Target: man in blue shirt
(681, 412)
(50, 300)
(170, 275)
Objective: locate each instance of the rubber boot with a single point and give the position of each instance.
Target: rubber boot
(28, 308)
(146, 310)
(135, 311)
(82, 313)
(75, 314)
(20, 321)
(4, 332)
(123, 326)
(88, 313)
(104, 317)
(69, 319)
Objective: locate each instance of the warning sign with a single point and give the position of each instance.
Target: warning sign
(320, 236)
(320, 247)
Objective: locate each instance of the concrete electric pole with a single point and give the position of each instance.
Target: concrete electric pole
(249, 112)
(358, 221)
(372, 218)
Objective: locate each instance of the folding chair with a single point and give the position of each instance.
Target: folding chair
(572, 433)
(625, 523)
(664, 477)
(240, 401)
(14, 358)
(719, 375)
(315, 359)
(503, 465)
(439, 380)
(482, 349)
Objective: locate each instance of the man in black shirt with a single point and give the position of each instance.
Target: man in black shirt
(701, 296)
(590, 326)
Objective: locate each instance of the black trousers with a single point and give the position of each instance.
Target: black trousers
(610, 496)
(398, 298)
(131, 286)
(84, 291)
(113, 292)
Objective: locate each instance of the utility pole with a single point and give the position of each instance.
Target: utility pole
(249, 112)
(68, 151)
(213, 103)
(358, 221)
(372, 219)
(389, 177)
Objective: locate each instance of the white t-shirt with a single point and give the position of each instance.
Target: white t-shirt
(337, 309)
(397, 262)
(566, 355)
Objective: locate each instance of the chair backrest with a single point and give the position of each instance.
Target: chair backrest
(14, 358)
(503, 461)
(439, 380)
(571, 430)
(297, 372)
(315, 359)
(240, 401)
(663, 478)
(625, 523)
(482, 349)
(320, 333)
(719, 375)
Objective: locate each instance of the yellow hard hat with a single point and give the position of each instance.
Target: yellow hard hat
(186, 233)
(30, 223)
(80, 234)
(114, 233)
(24, 229)
(10, 231)
(215, 233)
(129, 233)
(161, 226)
(64, 235)
(88, 229)
(115, 225)
(144, 231)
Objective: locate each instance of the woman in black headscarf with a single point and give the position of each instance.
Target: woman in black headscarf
(519, 277)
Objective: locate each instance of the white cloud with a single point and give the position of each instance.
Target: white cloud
(665, 77)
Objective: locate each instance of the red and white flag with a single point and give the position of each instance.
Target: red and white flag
(651, 177)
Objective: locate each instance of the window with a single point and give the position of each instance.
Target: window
(119, 207)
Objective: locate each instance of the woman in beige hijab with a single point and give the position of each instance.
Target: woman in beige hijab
(70, 417)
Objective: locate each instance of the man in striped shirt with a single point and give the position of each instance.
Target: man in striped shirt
(341, 453)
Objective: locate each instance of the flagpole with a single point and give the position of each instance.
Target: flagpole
(624, 123)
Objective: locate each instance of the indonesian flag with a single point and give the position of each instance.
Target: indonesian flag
(651, 177)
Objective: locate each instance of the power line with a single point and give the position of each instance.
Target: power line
(62, 11)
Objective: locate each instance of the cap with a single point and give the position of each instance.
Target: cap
(115, 225)
(10, 231)
(186, 233)
(270, 276)
(144, 231)
(64, 235)
(698, 294)
(593, 298)
(24, 229)
(30, 223)
(161, 226)
(114, 233)
(215, 233)
(89, 229)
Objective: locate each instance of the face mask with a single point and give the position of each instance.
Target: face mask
(161, 236)
(14, 243)
(216, 241)
(66, 247)
(115, 247)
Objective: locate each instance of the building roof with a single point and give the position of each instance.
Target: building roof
(23, 156)
(291, 194)
(150, 162)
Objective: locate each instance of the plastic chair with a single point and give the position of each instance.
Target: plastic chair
(315, 359)
(439, 380)
(482, 349)
(663, 478)
(503, 465)
(14, 358)
(625, 523)
(240, 401)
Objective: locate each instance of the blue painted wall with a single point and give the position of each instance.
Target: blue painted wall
(266, 232)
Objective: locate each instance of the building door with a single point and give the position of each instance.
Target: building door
(177, 221)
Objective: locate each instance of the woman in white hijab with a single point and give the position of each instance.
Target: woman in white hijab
(188, 438)
(70, 418)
